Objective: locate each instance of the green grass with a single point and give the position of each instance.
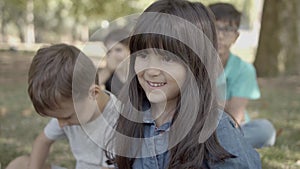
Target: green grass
(280, 104)
(19, 124)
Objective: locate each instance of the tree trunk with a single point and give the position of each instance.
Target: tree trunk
(278, 48)
(29, 34)
(3, 22)
(84, 33)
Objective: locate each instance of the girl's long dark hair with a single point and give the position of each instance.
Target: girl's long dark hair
(188, 152)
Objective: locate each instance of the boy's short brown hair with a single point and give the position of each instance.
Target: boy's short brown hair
(57, 73)
(226, 12)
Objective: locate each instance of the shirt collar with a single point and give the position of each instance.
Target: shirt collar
(148, 119)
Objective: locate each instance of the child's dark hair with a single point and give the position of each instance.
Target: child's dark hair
(117, 35)
(199, 99)
(226, 12)
(57, 73)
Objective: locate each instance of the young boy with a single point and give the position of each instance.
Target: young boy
(241, 83)
(63, 84)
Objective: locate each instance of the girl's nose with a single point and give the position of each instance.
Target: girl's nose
(152, 71)
(153, 66)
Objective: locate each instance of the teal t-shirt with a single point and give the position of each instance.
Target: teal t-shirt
(240, 78)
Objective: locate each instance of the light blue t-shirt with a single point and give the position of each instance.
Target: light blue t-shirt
(86, 140)
(240, 80)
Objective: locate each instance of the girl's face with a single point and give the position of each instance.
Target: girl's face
(116, 54)
(160, 75)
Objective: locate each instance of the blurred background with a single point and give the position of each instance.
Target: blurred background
(269, 38)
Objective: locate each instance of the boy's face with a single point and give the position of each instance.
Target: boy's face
(74, 113)
(227, 34)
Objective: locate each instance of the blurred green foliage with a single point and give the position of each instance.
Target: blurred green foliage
(56, 19)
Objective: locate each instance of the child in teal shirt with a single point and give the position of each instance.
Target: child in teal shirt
(240, 78)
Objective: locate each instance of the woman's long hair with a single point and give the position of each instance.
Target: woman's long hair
(198, 99)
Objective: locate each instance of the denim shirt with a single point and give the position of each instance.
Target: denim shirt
(155, 144)
(230, 138)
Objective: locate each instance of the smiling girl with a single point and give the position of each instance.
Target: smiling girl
(170, 116)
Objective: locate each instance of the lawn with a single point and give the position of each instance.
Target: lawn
(19, 124)
(280, 103)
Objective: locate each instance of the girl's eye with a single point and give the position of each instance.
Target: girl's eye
(142, 55)
(119, 50)
(169, 58)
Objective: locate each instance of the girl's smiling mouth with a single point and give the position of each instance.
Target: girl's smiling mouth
(156, 84)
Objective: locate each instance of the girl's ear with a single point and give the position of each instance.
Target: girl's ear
(94, 91)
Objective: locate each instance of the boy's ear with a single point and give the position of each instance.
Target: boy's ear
(94, 91)
(237, 34)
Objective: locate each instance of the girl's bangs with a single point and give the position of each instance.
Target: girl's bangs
(157, 43)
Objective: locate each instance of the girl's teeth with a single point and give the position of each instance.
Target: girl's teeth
(156, 84)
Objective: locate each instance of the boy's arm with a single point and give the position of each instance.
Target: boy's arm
(236, 106)
(40, 151)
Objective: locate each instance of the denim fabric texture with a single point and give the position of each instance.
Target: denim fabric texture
(230, 137)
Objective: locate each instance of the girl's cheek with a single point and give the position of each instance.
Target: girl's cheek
(139, 66)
